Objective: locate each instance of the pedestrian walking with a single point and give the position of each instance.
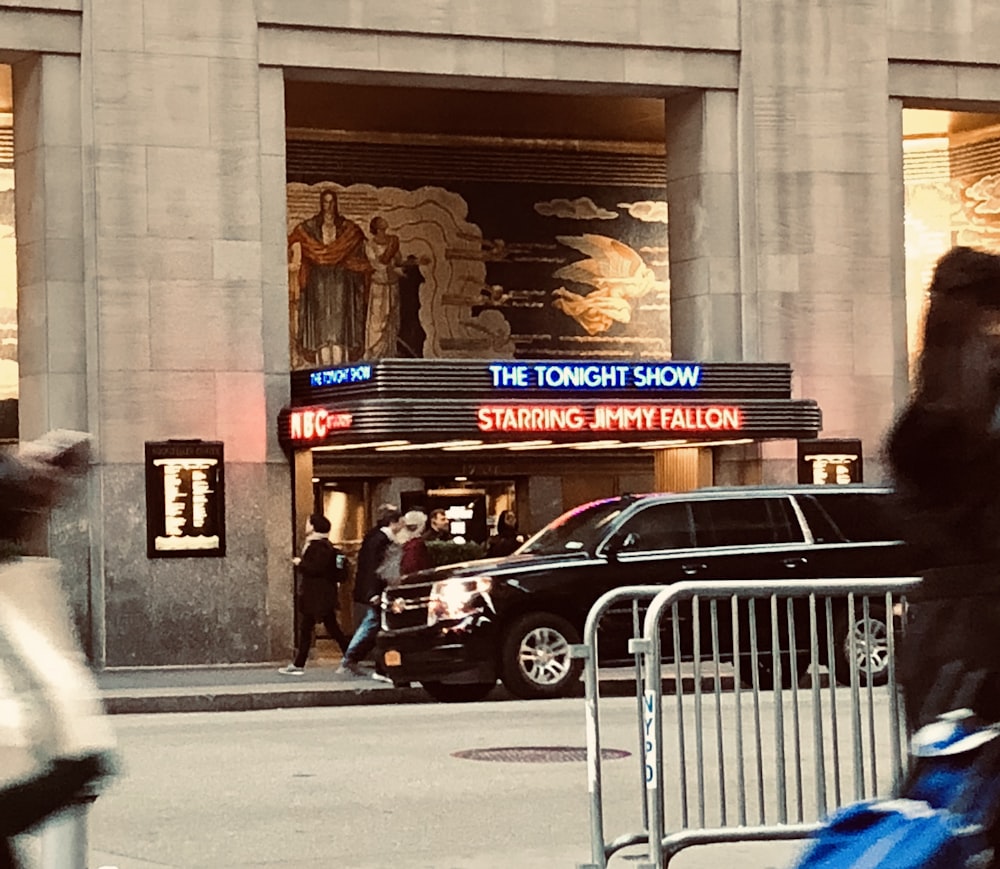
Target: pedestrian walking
(368, 586)
(321, 568)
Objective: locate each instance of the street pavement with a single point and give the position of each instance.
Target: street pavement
(386, 788)
(373, 787)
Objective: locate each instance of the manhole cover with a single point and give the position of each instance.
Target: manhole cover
(536, 754)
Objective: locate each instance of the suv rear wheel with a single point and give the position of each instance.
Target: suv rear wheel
(535, 657)
(873, 660)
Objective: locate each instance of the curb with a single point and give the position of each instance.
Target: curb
(228, 701)
(122, 701)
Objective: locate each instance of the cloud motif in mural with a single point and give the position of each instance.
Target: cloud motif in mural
(986, 193)
(582, 208)
(648, 211)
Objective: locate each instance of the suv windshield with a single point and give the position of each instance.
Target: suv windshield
(581, 529)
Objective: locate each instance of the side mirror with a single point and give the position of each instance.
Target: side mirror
(620, 542)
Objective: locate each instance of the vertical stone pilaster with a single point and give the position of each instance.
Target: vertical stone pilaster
(49, 208)
(815, 77)
(173, 93)
(702, 194)
(52, 310)
(274, 301)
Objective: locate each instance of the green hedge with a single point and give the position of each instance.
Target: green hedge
(448, 552)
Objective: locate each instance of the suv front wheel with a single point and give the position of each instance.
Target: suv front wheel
(535, 657)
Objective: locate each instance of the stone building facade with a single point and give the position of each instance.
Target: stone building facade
(150, 148)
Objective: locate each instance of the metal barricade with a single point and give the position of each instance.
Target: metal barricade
(743, 773)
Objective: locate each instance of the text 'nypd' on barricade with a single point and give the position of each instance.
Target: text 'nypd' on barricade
(751, 763)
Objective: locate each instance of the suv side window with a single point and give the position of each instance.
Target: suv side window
(659, 527)
(746, 522)
(860, 516)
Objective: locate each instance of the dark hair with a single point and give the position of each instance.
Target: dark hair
(387, 513)
(320, 524)
(438, 511)
(942, 449)
(504, 526)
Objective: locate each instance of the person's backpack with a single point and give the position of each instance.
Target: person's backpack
(946, 812)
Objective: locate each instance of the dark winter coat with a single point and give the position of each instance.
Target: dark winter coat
(944, 450)
(415, 556)
(320, 572)
(367, 582)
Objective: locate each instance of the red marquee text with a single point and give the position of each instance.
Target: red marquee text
(314, 423)
(609, 417)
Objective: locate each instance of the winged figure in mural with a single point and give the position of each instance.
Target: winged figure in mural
(618, 274)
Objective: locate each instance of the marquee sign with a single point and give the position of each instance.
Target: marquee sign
(438, 401)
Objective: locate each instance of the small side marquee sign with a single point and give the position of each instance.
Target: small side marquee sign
(830, 461)
(185, 499)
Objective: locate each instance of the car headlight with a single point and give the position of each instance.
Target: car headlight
(453, 599)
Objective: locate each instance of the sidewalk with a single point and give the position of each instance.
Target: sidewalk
(242, 687)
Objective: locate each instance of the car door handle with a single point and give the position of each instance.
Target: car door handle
(692, 569)
(792, 563)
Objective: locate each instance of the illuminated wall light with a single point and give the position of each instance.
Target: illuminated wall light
(336, 448)
(599, 445)
(496, 446)
(659, 445)
(429, 446)
(682, 444)
(550, 446)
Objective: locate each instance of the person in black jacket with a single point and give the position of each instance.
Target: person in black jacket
(507, 539)
(321, 568)
(368, 586)
(944, 452)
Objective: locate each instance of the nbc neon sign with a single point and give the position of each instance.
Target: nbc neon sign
(609, 417)
(315, 423)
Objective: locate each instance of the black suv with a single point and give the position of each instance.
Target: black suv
(457, 629)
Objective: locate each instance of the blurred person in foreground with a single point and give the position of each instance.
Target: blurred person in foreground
(54, 748)
(944, 453)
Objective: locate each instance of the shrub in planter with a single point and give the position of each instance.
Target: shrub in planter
(449, 552)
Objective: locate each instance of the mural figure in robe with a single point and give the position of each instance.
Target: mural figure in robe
(382, 325)
(332, 282)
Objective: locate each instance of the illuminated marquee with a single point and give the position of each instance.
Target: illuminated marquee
(594, 375)
(337, 376)
(610, 417)
(315, 423)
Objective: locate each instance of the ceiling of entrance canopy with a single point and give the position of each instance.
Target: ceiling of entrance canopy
(429, 111)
